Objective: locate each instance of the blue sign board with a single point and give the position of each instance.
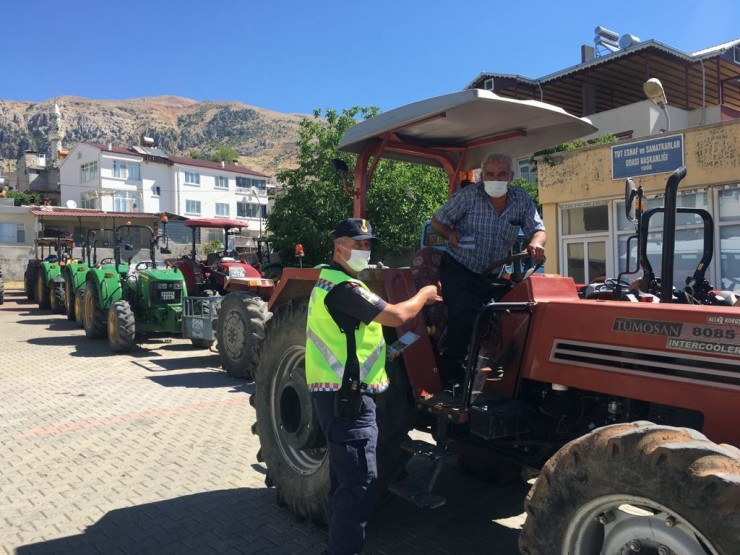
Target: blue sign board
(661, 155)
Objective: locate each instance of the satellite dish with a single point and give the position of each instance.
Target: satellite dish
(71, 204)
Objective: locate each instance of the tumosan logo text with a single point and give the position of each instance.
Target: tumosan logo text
(648, 327)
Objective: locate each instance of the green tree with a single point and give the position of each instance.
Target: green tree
(530, 187)
(226, 154)
(21, 198)
(401, 197)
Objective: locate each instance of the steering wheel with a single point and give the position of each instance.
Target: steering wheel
(105, 261)
(515, 259)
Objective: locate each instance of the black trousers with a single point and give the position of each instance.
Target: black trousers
(353, 471)
(464, 293)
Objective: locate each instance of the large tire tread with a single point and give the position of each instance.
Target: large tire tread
(58, 298)
(678, 468)
(69, 298)
(241, 318)
(305, 496)
(121, 327)
(94, 318)
(43, 293)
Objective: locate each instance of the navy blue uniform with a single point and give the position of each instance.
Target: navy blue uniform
(351, 443)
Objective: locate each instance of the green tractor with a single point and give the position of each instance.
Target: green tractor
(44, 249)
(129, 298)
(49, 280)
(75, 272)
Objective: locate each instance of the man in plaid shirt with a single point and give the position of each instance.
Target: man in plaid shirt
(480, 224)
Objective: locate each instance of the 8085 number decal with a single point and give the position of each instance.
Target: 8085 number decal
(712, 333)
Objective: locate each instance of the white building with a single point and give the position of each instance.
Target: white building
(145, 179)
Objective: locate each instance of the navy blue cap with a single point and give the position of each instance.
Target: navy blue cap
(358, 229)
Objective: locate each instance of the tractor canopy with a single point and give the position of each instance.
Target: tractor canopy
(455, 132)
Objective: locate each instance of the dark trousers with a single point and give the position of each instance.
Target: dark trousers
(464, 293)
(353, 471)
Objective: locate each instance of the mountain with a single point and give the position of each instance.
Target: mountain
(265, 140)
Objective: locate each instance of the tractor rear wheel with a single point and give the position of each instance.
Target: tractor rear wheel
(43, 294)
(29, 285)
(291, 442)
(636, 487)
(57, 298)
(79, 303)
(94, 318)
(241, 327)
(121, 327)
(69, 298)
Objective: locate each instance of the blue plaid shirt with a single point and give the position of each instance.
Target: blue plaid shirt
(470, 213)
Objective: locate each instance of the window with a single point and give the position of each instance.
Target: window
(192, 207)
(89, 171)
(222, 209)
(192, 178)
(729, 239)
(585, 231)
(126, 201)
(248, 183)
(127, 170)
(88, 201)
(526, 171)
(251, 210)
(12, 233)
(222, 182)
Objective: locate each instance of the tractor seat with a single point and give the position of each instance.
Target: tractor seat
(425, 271)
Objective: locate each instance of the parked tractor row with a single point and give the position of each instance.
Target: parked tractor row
(118, 298)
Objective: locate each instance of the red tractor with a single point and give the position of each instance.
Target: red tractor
(609, 397)
(228, 302)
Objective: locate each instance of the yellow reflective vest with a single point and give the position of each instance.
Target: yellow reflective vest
(326, 345)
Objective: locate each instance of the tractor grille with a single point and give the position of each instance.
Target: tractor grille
(683, 367)
(165, 292)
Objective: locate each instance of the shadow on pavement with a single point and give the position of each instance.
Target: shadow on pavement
(203, 380)
(248, 520)
(243, 520)
(163, 364)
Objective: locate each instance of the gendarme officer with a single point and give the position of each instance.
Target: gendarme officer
(345, 368)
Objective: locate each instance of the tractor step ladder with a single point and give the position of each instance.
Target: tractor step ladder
(420, 494)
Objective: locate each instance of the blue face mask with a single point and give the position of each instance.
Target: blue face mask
(496, 189)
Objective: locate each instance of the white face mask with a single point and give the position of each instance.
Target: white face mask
(496, 189)
(358, 260)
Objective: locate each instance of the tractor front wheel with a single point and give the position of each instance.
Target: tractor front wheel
(58, 299)
(636, 487)
(121, 327)
(291, 442)
(69, 298)
(241, 327)
(79, 303)
(43, 294)
(94, 318)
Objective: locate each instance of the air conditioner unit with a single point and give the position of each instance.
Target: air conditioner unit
(488, 84)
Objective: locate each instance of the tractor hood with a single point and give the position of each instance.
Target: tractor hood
(467, 124)
(161, 275)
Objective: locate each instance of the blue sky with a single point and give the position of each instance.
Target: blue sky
(295, 56)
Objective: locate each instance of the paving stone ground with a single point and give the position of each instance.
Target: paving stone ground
(151, 452)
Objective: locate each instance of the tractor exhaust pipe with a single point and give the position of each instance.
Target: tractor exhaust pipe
(669, 234)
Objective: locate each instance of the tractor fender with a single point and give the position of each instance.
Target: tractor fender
(295, 283)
